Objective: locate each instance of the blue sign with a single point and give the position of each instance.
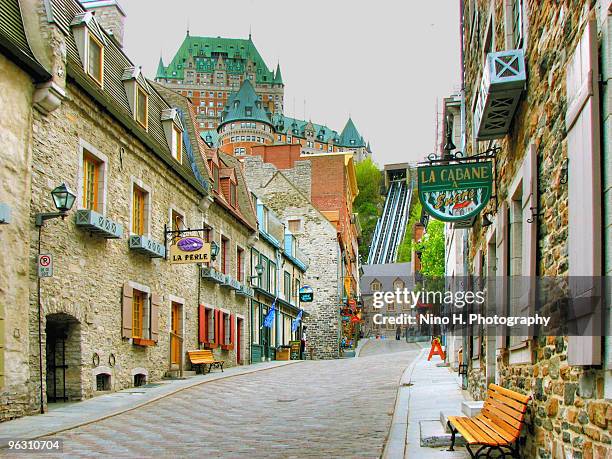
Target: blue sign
(306, 294)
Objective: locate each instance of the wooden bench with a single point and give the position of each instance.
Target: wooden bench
(204, 357)
(498, 425)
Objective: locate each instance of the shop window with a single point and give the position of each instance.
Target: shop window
(95, 64)
(142, 107)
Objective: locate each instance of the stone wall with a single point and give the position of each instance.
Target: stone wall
(90, 271)
(570, 415)
(16, 90)
(319, 243)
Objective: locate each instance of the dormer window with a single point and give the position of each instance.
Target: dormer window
(177, 145)
(248, 111)
(95, 61)
(142, 107)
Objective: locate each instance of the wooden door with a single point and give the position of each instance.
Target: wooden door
(175, 327)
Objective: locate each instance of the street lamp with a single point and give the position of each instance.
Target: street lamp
(63, 199)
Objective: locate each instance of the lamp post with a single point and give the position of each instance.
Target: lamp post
(63, 198)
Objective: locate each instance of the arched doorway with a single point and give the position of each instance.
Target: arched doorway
(63, 357)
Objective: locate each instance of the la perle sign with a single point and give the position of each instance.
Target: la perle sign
(454, 192)
(190, 249)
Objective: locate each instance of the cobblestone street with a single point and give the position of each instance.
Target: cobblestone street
(334, 408)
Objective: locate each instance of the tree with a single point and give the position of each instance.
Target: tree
(368, 203)
(432, 249)
(404, 250)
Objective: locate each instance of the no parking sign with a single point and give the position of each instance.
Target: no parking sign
(45, 265)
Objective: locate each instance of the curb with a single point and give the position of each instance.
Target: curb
(395, 444)
(4, 445)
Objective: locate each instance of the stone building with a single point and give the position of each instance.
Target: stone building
(116, 312)
(531, 88)
(277, 256)
(287, 192)
(22, 73)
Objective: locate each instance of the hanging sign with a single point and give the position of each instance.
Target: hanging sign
(190, 249)
(306, 294)
(455, 192)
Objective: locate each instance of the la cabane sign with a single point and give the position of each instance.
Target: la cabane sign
(190, 250)
(455, 192)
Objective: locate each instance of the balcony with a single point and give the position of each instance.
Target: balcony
(503, 80)
(98, 224)
(146, 246)
(231, 283)
(211, 274)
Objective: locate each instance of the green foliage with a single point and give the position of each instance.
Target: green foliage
(368, 203)
(432, 249)
(404, 251)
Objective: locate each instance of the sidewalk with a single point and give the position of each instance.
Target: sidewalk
(76, 414)
(424, 391)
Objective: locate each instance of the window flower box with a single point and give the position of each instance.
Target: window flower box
(98, 223)
(231, 283)
(143, 342)
(147, 246)
(210, 273)
(503, 80)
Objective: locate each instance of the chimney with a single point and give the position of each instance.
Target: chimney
(109, 15)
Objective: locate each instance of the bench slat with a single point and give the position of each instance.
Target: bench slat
(510, 393)
(501, 423)
(504, 417)
(500, 435)
(518, 406)
(494, 405)
(471, 432)
(502, 427)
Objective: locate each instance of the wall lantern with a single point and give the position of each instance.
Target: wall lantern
(63, 198)
(487, 219)
(214, 250)
(259, 269)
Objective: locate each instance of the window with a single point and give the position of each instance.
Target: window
(272, 277)
(95, 64)
(256, 322)
(375, 286)
(227, 336)
(517, 23)
(91, 181)
(295, 226)
(298, 285)
(177, 146)
(254, 262)
(287, 285)
(224, 255)
(239, 264)
(138, 305)
(141, 107)
(139, 198)
(265, 276)
(398, 285)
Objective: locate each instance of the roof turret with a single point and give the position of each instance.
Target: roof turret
(245, 105)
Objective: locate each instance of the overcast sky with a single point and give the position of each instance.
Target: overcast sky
(384, 62)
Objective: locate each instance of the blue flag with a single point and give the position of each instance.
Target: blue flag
(269, 319)
(295, 323)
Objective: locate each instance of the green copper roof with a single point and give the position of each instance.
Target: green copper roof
(278, 78)
(245, 105)
(211, 137)
(205, 51)
(293, 126)
(161, 71)
(350, 136)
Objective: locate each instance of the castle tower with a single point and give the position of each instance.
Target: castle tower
(244, 123)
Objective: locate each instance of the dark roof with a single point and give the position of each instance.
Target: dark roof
(14, 42)
(113, 96)
(386, 274)
(245, 105)
(245, 204)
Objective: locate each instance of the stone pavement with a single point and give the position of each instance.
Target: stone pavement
(333, 408)
(428, 389)
(67, 416)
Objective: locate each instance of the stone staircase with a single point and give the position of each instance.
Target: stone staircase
(436, 434)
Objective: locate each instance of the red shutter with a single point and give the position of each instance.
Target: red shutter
(584, 245)
(126, 311)
(232, 331)
(202, 335)
(215, 343)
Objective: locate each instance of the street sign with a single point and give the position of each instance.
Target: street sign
(45, 265)
(306, 294)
